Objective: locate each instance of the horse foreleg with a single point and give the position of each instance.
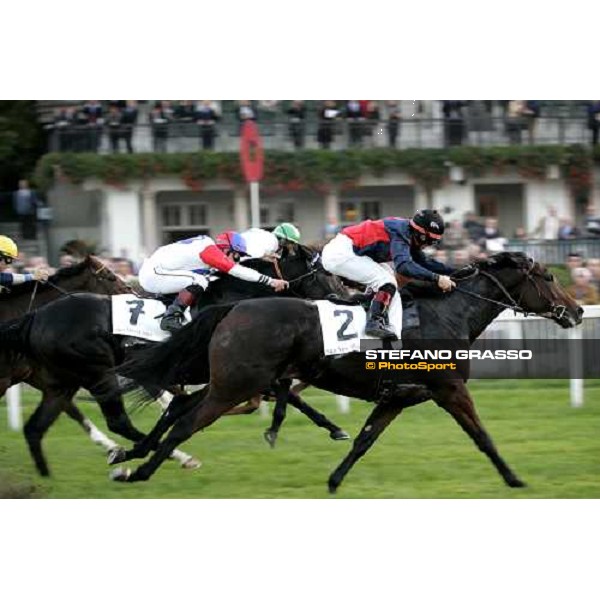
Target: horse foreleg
(178, 407)
(455, 399)
(52, 404)
(281, 396)
(88, 426)
(187, 461)
(381, 416)
(319, 419)
(201, 416)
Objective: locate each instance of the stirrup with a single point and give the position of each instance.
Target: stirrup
(380, 329)
(172, 322)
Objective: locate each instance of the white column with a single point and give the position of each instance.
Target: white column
(149, 222)
(122, 223)
(459, 198)
(540, 195)
(332, 204)
(240, 208)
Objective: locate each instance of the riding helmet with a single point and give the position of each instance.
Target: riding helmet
(231, 241)
(8, 249)
(288, 232)
(428, 225)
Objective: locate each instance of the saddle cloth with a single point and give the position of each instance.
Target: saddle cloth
(137, 317)
(343, 326)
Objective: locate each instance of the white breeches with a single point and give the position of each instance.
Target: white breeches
(161, 281)
(338, 258)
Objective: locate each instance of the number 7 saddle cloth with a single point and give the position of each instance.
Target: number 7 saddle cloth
(139, 317)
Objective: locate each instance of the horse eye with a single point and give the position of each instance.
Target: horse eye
(548, 277)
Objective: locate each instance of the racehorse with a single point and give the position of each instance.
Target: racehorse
(286, 341)
(70, 341)
(89, 275)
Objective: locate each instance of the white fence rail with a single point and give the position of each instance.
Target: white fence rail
(513, 326)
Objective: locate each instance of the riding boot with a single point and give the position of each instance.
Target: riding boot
(377, 318)
(173, 318)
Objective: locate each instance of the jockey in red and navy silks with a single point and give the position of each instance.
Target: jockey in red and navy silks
(357, 251)
(183, 267)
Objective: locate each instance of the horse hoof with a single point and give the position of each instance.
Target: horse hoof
(271, 437)
(340, 434)
(191, 463)
(516, 483)
(332, 487)
(116, 456)
(120, 474)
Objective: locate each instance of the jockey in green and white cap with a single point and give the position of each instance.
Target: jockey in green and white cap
(288, 236)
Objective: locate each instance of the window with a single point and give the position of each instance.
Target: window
(197, 214)
(355, 210)
(285, 212)
(171, 215)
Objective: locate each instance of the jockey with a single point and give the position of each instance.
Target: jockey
(356, 251)
(184, 267)
(288, 236)
(8, 253)
(264, 244)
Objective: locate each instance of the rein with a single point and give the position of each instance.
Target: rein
(556, 311)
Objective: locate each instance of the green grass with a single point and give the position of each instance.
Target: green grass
(423, 454)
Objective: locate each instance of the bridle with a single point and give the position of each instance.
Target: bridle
(311, 273)
(557, 311)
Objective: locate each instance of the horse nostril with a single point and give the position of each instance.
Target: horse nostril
(579, 312)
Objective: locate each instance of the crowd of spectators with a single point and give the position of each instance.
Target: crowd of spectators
(80, 128)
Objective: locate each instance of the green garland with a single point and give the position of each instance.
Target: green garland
(319, 169)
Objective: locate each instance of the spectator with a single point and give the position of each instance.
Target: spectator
(592, 222)
(332, 228)
(574, 261)
(531, 112)
(566, 229)
(128, 119)
(441, 255)
(454, 122)
(297, 114)
(582, 289)
(455, 236)
(160, 129)
(593, 111)
(514, 120)
(327, 116)
(92, 109)
(548, 225)
(355, 119)
(62, 128)
(113, 123)
(166, 108)
(245, 111)
(184, 111)
(26, 203)
(206, 117)
(593, 264)
(371, 114)
(393, 122)
(520, 233)
(460, 258)
(493, 241)
(473, 226)
(124, 269)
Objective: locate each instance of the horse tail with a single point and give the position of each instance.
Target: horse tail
(14, 334)
(181, 359)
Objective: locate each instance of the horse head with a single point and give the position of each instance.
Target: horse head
(530, 287)
(90, 275)
(307, 277)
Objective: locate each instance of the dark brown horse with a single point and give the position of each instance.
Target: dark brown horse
(286, 341)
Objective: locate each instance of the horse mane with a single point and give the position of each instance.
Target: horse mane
(60, 275)
(504, 260)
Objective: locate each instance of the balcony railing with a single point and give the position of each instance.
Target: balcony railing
(555, 252)
(279, 135)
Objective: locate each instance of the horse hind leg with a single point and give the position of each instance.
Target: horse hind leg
(53, 402)
(319, 419)
(200, 417)
(455, 399)
(381, 416)
(282, 392)
(97, 436)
